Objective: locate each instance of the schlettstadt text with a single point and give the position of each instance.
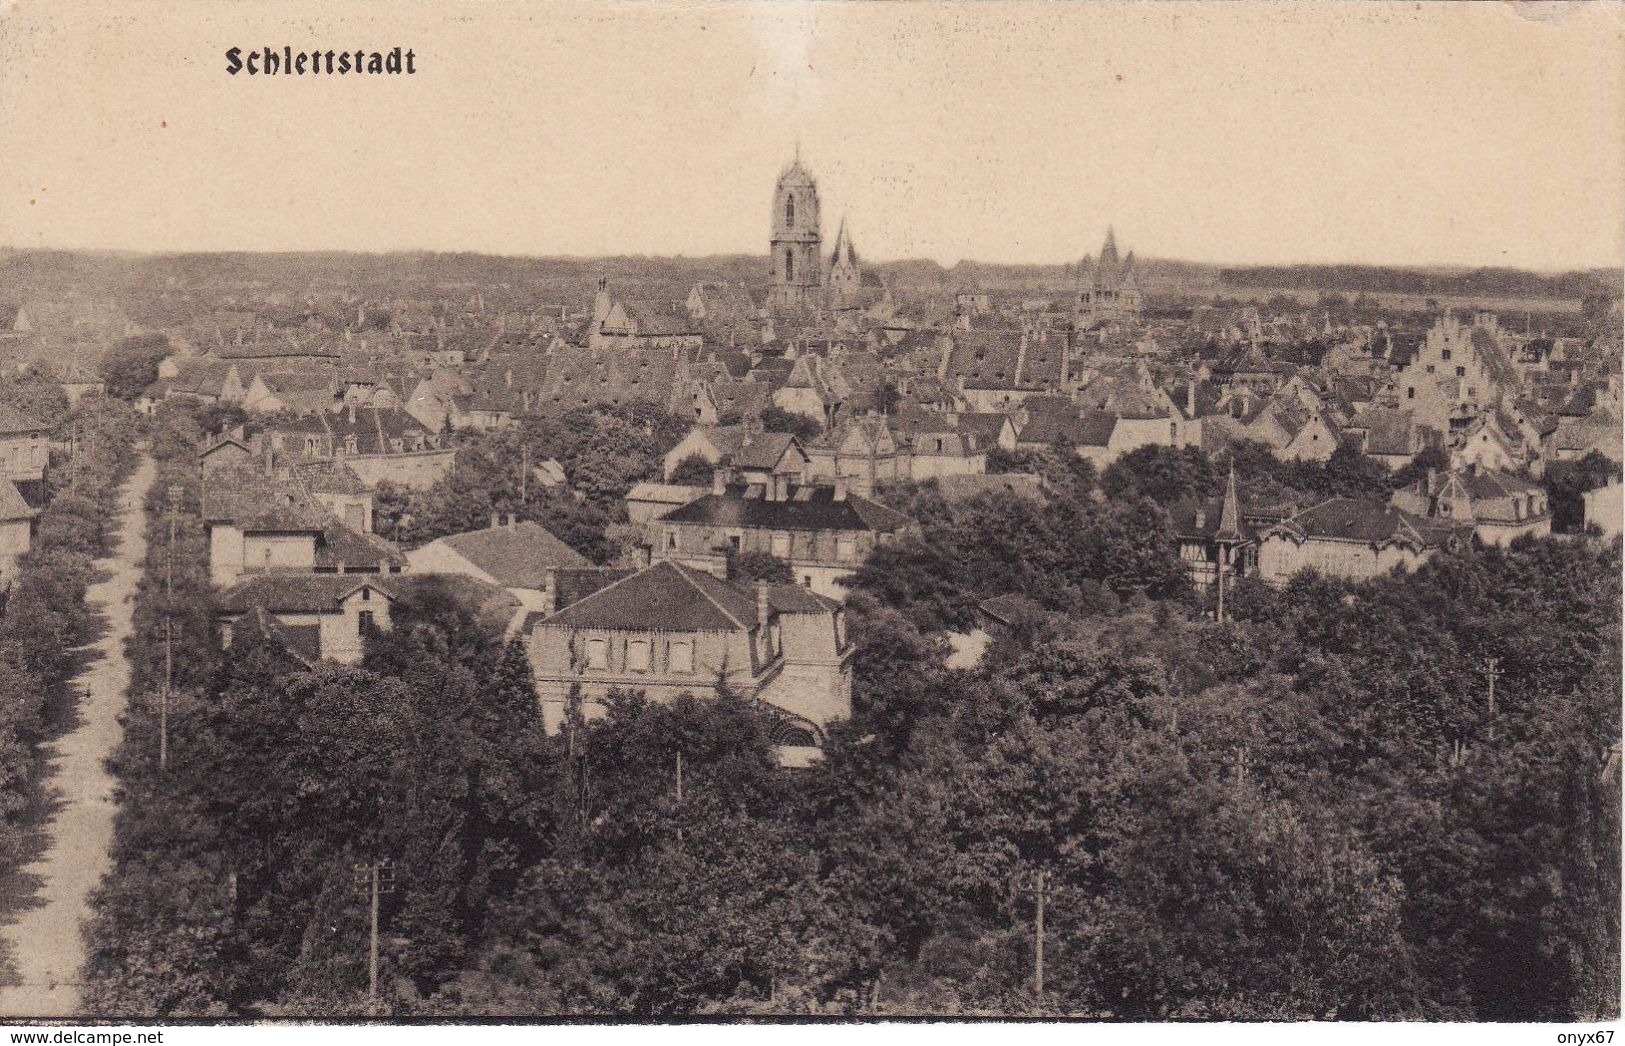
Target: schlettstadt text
(287, 62)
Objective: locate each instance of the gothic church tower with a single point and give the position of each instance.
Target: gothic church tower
(797, 245)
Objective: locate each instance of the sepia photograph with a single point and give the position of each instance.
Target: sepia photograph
(596, 513)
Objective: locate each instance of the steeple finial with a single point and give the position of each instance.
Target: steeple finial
(1230, 514)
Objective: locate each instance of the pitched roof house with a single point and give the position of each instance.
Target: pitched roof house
(671, 629)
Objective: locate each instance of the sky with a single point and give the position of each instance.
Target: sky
(1410, 134)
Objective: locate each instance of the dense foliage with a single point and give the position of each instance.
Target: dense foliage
(45, 619)
(603, 453)
(1307, 811)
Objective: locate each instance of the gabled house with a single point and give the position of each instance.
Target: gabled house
(823, 532)
(24, 447)
(318, 616)
(756, 454)
(1353, 538)
(1497, 505)
(670, 630)
(16, 531)
(520, 556)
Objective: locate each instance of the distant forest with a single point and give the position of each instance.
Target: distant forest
(529, 282)
(1382, 279)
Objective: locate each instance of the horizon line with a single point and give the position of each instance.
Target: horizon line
(1617, 266)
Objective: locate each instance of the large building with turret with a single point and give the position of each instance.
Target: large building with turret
(801, 279)
(798, 257)
(1108, 289)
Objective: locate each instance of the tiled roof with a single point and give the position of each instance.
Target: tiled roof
(12, 505)
(292, 516)
(297, 593)
(671, 597)
(517, 556)
(1093, 429)
(1201, 519)
(985, 427)
(14, 422)
(581, 377)
(1361, 519)
(233, 492)
(342, 546)
(807, 508)
(329, 477)
(1010, 608)
(1477, 483)
(761, 450)
(665, 596)
(573, 584)
(665, 493)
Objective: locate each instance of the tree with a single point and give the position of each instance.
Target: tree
(777, 419)
(693, 470)
(750, 567)
(1566, 483)
(131, 365)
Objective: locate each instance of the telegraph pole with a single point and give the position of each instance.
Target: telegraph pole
(1492, 672)
(376, 877)
(679, 776)
(1038, 942)
(169, 634)
(524, 473)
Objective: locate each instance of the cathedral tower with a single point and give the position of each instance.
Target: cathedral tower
(797, 245)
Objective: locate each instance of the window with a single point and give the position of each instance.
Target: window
(366, 595)
(789, 210)
(671, 540)
(1461, 372)
(681, 656)
(806, 581)
(1430, 368)
(363, 623)
(789, 265)
(846, 549)
(637, 655)
(1410, 394)
(733, 542)
(781, 545)
(1444, 354)
(597, 653)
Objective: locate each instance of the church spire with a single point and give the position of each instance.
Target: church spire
(1230, 515)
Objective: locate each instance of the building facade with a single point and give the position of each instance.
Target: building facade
(670, 630)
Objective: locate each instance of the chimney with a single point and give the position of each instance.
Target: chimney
(762, 608)
(1190, 398)
(496, 520)
(1201, 518)
(352, 412)
(383, 566)
(510, 521)
(550, 593)
(840, 488)
(719, 481)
